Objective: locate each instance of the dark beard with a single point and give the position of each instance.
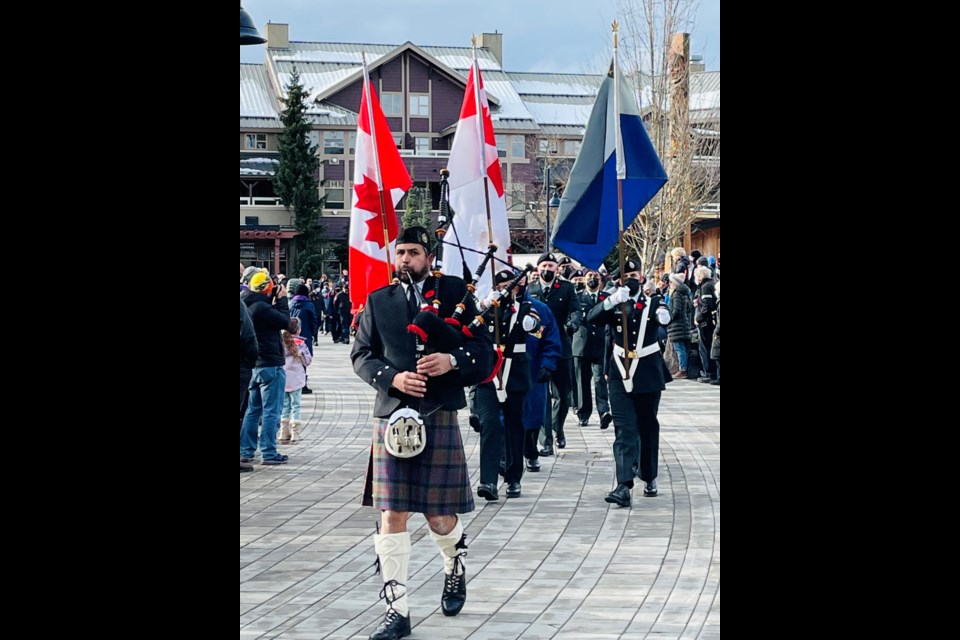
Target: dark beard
(409, 277)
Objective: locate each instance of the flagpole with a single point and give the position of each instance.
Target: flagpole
(376, 165)
(486, 192)
(483, 147)
(621, 174)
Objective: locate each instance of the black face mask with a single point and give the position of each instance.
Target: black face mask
(633, 285)
(581, 286)
(593, 283)
(566, 272)
(547, 276)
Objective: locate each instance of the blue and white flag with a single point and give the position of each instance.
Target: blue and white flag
(587, 222)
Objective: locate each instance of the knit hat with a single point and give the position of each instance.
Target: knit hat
(247, 274)
(301, 290)
(261, 282)
(676, 278)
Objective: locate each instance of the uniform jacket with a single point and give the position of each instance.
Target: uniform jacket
(651, 373)
(588, 340)
(562, 299)
(383, 347)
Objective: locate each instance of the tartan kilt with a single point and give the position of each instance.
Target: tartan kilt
(434, 483)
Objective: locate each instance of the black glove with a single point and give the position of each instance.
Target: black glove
(544, 375)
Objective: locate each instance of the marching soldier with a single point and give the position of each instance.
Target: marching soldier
(588, 346)
(507, 391)
(636, 377)
(560, 296)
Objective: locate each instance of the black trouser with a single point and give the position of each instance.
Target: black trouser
(637, 442)
(487, 407)
(585, 370)
(514, 435)
(530, 441)
(556, 411)
(345, 320)
(706, 341)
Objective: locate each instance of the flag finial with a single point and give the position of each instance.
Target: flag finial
(473, 40)
(615, 26)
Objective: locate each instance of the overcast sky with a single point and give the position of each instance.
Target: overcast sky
(571, 36)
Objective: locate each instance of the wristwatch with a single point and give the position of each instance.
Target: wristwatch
(453, 361)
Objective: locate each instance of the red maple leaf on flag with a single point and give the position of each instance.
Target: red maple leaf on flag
(368, 199)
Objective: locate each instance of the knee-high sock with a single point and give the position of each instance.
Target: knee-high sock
(448, 547)
(393, 549)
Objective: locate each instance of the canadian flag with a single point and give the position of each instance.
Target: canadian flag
(377, 167)
(473, 157)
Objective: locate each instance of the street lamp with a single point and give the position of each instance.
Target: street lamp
(248, 30)
(551, 202)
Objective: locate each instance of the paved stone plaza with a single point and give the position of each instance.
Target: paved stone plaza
(558, 562)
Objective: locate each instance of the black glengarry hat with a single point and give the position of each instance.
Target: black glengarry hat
(415, 235)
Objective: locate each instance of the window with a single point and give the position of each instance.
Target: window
(502, 146)
(571, 147)
(420, 105)
(399, 140)
(352, 142)
(547, 146)
(392, 104)
(256, 141)
(422, 145)
(333, 142)
(334, 194)
(518, 147)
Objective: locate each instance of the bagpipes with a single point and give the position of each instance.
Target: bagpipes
(444, 335)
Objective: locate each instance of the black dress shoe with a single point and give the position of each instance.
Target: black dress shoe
(533, 466)
(513, 490)
(454, 592)
(584, 422)
(650, 488)
(546, 453)
(306, 390)
(605, 420)
(475, 422)
(561, 443)
(620, 496)
(488, 491)
(393, 627)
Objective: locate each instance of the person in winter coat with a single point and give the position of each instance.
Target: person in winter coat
(297, 358)
(302, 307)
(266, 385)
(715, 347)
(248, 359)
(706, 304)
(681, 320)
(544, 353)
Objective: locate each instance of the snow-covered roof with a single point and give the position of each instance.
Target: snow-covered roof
(461, 58)
(552, 103)
(258, 165)
(560, 110)
(555, 84)
(256, 96)
(511, 105)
